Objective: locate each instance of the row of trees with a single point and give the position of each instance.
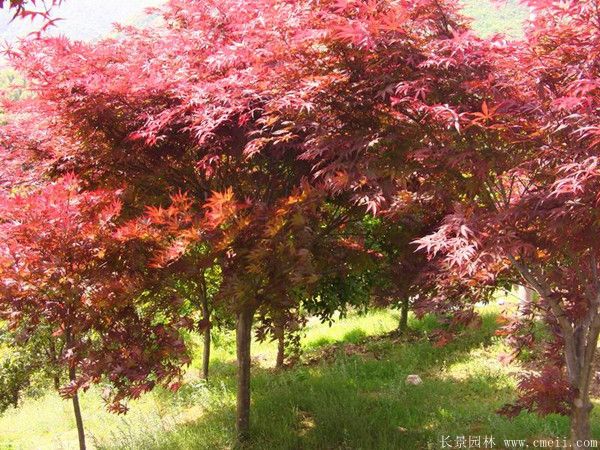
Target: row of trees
(267, 159)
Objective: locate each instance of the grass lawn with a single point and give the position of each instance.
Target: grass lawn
(349, 393)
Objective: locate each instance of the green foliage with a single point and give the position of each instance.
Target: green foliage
(25, 367)
(15, 375)
(507, 17)
(11, 82)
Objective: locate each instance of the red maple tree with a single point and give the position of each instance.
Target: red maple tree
(191, 107)
(531, 151)
(64, 275)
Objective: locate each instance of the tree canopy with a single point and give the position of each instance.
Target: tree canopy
(300, 145)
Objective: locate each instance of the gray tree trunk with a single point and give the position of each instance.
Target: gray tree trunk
(243, 344)
(77, 412)
(207, 331)
(525, 295)
(580, 345)
(280, 333)
(206, 354)
(579, 353)
(580, 423)
(207, 338)
(56, 381)
(403, 325)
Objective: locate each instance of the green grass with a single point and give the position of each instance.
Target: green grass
(354, 398)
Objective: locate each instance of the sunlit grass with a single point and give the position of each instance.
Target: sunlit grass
(356, 397)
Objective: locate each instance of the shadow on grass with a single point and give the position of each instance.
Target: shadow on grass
(360, 401)
(355, 336)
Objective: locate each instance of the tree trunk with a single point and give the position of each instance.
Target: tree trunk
(206, 354)
(56, 381)
(403, 325)
(77, 411)
(75, 398)
(580, 423)
(279, 331)
(243, 343)
(206, 316)
(53, 356)
(525, 295)
(580, 345)
(580, 350)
